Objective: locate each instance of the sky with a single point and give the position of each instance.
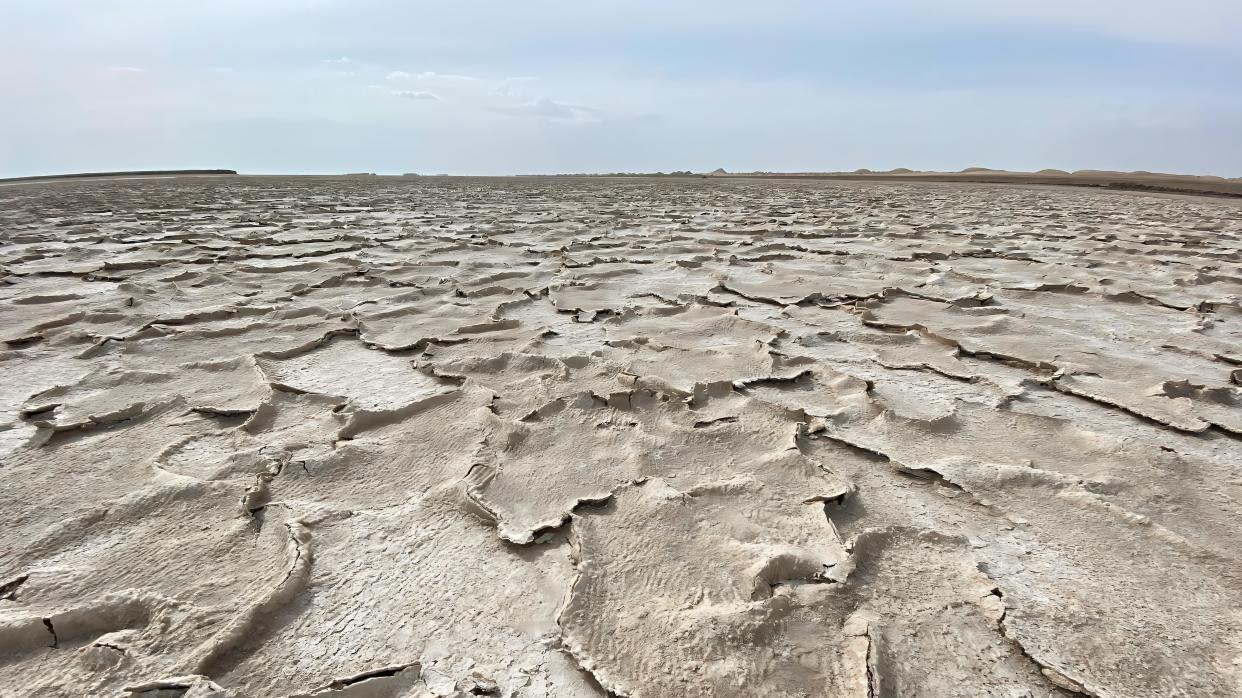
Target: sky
(542, 86)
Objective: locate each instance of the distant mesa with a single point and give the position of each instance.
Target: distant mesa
(1052, 171)
(980, 169)
(899, 170)
(863, 170)
(410, 174)
(719, 171)
(124, 173)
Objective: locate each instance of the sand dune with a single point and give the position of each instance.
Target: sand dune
(556, 437)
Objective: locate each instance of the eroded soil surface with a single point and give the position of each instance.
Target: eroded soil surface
(553, 437)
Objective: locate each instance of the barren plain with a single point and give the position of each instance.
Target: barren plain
(544, 438)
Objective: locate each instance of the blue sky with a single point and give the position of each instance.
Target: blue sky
(610, 85)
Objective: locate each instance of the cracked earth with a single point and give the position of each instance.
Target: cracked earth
(543, 438)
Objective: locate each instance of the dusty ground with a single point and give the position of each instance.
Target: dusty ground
(557, 437)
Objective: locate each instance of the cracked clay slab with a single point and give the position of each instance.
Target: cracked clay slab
(590, 437)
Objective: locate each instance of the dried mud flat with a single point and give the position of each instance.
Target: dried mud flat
(562, 437)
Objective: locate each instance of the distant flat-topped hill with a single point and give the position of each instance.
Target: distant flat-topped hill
(129, 173)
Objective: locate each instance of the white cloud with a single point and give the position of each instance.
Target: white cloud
(125, 69)
(511, 87)
(547, 109)
(337, 61)
(429, 76)
(444, 77)
(418, 95)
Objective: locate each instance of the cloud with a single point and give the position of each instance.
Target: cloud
(337, 61)
(417, 95)
(125, 69)
(444, 77)
(430, 76)
(545, 108)
(511, 87)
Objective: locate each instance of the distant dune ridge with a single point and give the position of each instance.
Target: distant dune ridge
(1159, 182)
